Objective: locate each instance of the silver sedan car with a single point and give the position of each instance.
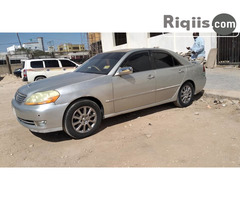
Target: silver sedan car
(108, 84)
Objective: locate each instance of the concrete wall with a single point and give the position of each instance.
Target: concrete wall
(33, 46)
(4, 68)
(174, 41)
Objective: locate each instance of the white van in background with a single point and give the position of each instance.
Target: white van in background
(36, 69)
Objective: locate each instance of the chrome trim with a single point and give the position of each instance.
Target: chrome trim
(139, 108)
(130, 96)
(28, 122)
(124, 71)
(150, 76)
(19, 97)
(160, 89)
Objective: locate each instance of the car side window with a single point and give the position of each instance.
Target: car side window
(139, 62)
(67, 63)
(163, 60)
(51, 63)
(36, 64)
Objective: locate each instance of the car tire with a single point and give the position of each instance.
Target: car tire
(39, 78)
(82, 119)
(185, 95)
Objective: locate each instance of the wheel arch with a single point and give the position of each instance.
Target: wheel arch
(190, 81)
(69, 130)
(39, 76)
(97, 101)
(178, 103)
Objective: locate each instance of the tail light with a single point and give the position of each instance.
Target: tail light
(24, 73)
(203, 68)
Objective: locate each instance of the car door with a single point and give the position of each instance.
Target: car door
(36, 69)
(52, 68)
(67, 66)
(169, 74)
(136, 89)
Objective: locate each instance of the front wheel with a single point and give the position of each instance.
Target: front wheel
(82, 119)
(185, 95)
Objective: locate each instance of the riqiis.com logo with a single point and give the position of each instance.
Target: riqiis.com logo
(223, 24)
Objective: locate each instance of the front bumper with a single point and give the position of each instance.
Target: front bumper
(40, 118)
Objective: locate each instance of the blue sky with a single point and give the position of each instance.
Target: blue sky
(9, 39)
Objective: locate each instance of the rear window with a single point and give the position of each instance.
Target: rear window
(36, 64)
(163, 60)
(67, 63)
(51, 63)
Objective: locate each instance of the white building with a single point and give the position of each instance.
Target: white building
(176, 42)
(51, 49)
(13, 48)
(35, 45)
(30, 45)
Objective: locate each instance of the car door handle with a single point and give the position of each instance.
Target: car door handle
(150, 76)
(180, 71)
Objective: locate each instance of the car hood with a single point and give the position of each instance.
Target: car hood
(55, 82)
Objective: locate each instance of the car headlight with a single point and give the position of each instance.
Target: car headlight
(43, 98)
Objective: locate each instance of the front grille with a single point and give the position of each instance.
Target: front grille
(19, 97)
(28, 122)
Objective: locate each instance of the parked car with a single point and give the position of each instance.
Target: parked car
(107, 85)
(37, 69)
(18, 72)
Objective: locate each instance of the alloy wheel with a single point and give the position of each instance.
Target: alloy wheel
(186, 94)
(84, 119)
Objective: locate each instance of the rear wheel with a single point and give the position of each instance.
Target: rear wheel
(185, 95)
(82, 119)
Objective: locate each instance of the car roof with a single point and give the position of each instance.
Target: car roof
(181, 59)
(139, 49)
(40, 59)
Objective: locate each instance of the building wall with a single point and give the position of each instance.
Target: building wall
(35, 45)
(12, 48)
(40, 41)
(30, 45)
(94, 37)
(176, 42)
(71, 47)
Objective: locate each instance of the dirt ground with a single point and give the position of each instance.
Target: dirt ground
(205, 134)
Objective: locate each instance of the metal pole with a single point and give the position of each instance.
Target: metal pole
(8, 64)
(19, 40)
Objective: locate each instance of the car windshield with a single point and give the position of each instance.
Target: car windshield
(101, 63)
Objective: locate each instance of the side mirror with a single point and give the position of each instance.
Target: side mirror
(124, 71)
